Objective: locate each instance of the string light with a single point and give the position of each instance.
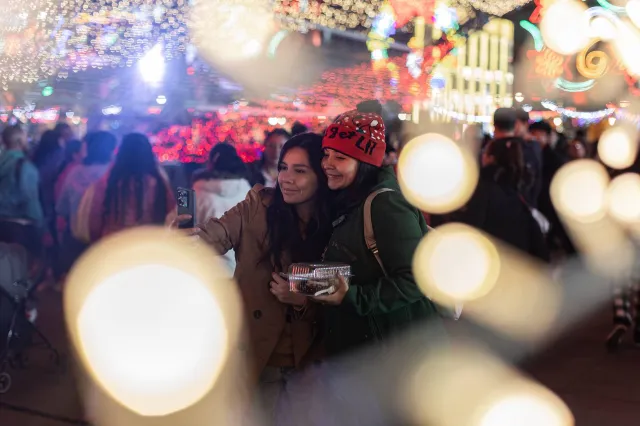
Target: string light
(105, 33)
(339, 14)
(496, 7)
(23, 36)
(583, 115)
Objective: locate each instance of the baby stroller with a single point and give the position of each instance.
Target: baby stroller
(17, 329)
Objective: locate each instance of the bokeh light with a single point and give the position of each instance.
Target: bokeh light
(618, 147)
(633, 11)
(626, 46)
(153, 319)
(578, 190)
(532, 406)
(565, 27)
(435, 174)
(125, 338)
(623, 198)
(438, 253)
(466, 385)
(230, 30)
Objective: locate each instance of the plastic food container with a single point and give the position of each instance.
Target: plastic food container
(316, 279)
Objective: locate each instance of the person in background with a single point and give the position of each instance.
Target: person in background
(221, 186)
(48, 158)
(100, 146)
(390, 156)
(551, 163)
(134, 192)
(298, 128)
(265, 170)
(382, 300)
(513, 124)
(65, 131)
(497, 206)
(75, 152)
(21, 216)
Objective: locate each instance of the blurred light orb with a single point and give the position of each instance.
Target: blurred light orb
(633, 11)
(603, 28)
(436, 174)
(618, 147)
(626, 46)
(153, 332)
(231, 30)
(578, 190)
(624, 198)
(528, 409)
(152, 66)
(565, 27)
(152, 318)
(457, 263)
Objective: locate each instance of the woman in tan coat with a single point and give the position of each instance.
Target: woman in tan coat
(269, 230)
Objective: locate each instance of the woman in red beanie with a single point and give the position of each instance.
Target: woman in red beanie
(382, 298)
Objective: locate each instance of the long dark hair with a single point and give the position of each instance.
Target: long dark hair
(49, 144)
(283, 231)
(135, 161)
(224, 163)
(508, 167)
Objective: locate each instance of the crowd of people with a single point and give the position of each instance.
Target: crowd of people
(310, 198)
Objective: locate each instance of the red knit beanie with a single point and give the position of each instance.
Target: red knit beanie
(359, 134)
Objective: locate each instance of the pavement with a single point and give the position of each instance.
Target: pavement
(600, 388)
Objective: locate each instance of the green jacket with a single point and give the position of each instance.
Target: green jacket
(377, 306)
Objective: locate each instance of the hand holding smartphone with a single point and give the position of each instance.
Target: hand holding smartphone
(187, 206)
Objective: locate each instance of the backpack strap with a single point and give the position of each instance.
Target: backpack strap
(369, 236)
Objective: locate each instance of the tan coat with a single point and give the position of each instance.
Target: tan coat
(244, 229)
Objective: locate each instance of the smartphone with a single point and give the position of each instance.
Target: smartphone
(187, 205)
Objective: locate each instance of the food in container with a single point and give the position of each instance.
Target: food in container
(316, 279)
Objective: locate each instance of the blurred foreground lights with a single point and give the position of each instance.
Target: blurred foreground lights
(618, 147)
(565, 26)
(465, 385)
(578, 190)
(230, 30)
(152, 319)
(626, 46)
(500, 287)
(152, 66)
(435, 174)
(528, 407)
(633, 11)
(437, 255)
(624, 198)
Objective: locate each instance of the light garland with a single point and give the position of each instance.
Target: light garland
(23, 36)
(580, 115)
(338, 14)
(103, 33)
(495, 7)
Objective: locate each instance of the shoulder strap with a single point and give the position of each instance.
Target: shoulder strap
(369, 236)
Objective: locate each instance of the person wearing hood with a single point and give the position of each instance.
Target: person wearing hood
(382, 298)
(21, 216)
(221, 186)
